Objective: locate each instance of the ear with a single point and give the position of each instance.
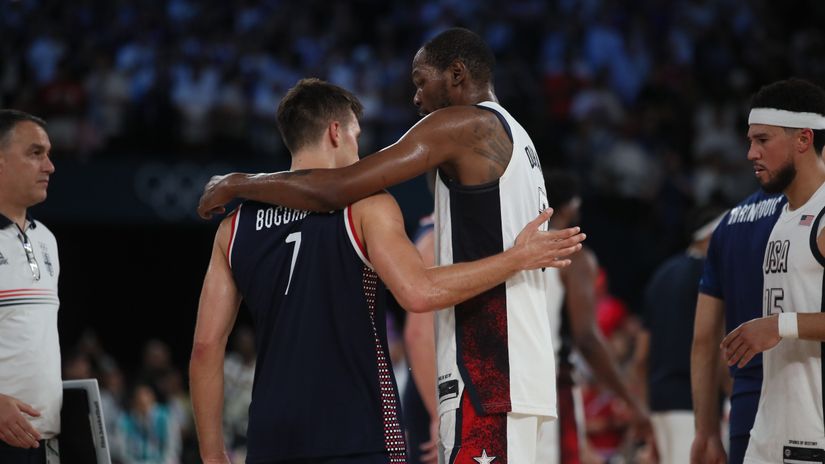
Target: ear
(334, 133)
(804, 140)
(458, 72)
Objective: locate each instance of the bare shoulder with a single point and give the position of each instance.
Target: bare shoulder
(381, 200)
(480, 137)
(379, 206)
(224, 233)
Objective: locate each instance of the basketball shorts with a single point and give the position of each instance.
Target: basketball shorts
(674, 433)
(469, 438)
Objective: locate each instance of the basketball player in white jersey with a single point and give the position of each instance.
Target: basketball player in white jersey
(787, 133)
(496, 368)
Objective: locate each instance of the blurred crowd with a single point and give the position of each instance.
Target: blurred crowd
(645, 100)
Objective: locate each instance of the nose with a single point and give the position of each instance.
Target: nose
(417, 99)
(48, 166)
(753, 154)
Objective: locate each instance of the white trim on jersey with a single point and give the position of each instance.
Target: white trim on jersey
(353, 237)
(232, 234)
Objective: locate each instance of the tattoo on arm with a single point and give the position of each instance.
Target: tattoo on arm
(489, 140)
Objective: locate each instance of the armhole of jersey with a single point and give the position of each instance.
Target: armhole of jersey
(232, 234)
(353, 237)
(815, 229)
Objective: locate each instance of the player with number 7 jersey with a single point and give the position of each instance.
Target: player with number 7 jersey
(315, 284)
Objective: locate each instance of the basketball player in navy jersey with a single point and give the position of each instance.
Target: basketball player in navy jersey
(787, 134)
(730, 293)
(496, 367)
(324, 391)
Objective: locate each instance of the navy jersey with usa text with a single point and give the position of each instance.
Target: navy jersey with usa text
(733, 273)
(323, 380)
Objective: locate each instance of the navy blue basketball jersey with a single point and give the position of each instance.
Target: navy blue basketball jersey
(323, 380)
(733, 273)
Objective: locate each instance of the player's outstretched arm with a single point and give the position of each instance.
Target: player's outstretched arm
(704, 380)
(218, 307)
(421, 289)
(428, 144)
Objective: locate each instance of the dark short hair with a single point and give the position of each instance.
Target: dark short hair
(308, 108)
(10, 118)
(463, 45)
(562, 187)
(794, 94)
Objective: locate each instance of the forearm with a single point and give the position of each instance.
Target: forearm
(594, 350)
(445, 286)
(206, 389)
(811, 326)
(312, 189)
(704, 380)
(419, 338)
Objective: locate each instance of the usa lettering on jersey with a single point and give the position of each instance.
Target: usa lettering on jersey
(276, 216)
(776, 256)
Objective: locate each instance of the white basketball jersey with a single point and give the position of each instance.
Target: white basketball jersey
(789, 423)
(498, 346)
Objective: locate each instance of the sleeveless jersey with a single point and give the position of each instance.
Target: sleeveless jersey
(323, 383)
(789, 421)
(733, 274)
(497, 345)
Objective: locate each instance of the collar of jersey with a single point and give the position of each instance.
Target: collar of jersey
(5, 222)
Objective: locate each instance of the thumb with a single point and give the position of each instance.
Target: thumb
(543, 217)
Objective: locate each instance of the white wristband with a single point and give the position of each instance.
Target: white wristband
(788, 327)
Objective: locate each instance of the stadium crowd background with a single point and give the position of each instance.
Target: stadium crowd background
(644, 100)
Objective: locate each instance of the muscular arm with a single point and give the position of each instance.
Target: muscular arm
(419, 337)
(579, 283)
(704, 379)
(419, 288)
(461, 135)
(217, 311)
(419, 340)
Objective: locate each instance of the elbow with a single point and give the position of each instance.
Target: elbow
(204, 352)
(414, 301)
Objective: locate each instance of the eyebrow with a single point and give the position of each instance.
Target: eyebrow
(758, 134)
(36, 146)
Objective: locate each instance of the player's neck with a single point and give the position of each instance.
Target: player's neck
(313, 159)
(809, 178)
(479, 94)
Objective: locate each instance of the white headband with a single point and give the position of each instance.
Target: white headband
(785, 118)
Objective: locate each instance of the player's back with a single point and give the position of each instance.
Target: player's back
(320, 335)
(497, 344)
